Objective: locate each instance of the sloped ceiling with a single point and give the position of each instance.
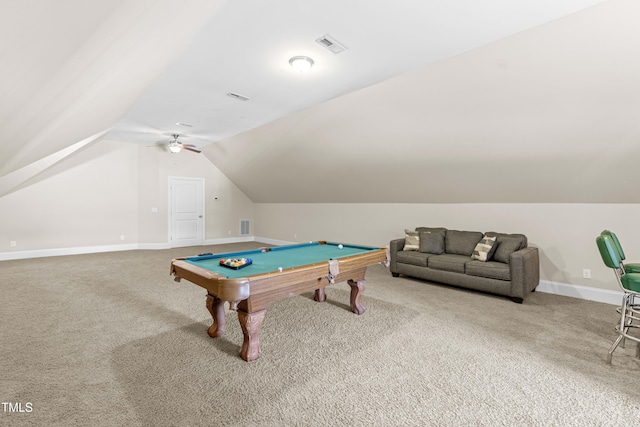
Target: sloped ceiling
(245, 49)
(73, 68)
(435, 101)
(548, 115)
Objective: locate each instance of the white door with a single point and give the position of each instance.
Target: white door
(186, 211)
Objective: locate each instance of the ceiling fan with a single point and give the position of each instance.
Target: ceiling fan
(175, 145)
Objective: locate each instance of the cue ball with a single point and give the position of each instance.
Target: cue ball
(340, 246)
(280, 269)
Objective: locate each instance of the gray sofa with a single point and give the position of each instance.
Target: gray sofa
(492, 262)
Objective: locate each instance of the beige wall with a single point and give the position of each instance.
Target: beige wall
(564, 233)
(225, 204)
(90, 198)
(108, 190)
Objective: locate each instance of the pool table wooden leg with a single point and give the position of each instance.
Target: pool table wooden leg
(216, 307)
(250, 324)
(320, 295)
(357, 289)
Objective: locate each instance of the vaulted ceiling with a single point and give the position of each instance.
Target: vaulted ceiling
(434, 101)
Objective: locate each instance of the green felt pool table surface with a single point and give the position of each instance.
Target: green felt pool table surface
(284, 257)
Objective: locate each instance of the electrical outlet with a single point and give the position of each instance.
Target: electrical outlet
(122, 237)
(295, 235)
(586, 273)
(13, 244)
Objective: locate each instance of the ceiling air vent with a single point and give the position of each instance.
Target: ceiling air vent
(238, 97)
(330, 43)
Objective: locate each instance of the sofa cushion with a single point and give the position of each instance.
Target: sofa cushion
(461, 242)
(490, 269)
(506, 246)
(440, 230)
(411, 240)
(431, 242)
(448, 262)
(412, 258)
(521, 237)
(485, 248)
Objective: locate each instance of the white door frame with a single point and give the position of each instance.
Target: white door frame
(172, 180)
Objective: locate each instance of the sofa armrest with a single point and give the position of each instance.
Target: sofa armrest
(394, 247)
(525, 271)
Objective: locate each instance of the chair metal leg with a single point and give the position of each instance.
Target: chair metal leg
(621, 328)
(612, 349)
(629, 312)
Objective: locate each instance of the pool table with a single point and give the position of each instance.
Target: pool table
(274, 273)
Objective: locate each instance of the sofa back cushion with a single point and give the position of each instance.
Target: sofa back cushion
(440, 230)
(431, 242)
(461, 242)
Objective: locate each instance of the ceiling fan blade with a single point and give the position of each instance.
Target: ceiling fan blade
(184, 147)
(158, 146)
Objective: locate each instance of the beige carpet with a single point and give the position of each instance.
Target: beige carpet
(111, 339)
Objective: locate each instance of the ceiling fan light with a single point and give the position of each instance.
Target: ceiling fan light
(301, 64)
(175, 146)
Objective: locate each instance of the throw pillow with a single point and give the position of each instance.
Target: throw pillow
(432, 243)
(521, 237)
(506, 246)
(411, 240)
(484, 249)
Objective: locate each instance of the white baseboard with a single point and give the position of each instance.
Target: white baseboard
(226, 240)
(41, 253)
(153, 246)
(581, 292)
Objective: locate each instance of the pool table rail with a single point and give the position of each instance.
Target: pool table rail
(299, 279)
(231, 290)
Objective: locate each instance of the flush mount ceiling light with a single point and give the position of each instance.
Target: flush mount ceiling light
(301, 64)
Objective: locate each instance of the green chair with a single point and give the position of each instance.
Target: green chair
(629, 268)
(630, 284)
